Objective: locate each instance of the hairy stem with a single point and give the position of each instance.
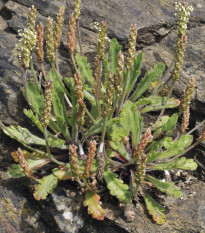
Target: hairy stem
(34, 75)
(79, 37)
(104, 129)
(97, 94)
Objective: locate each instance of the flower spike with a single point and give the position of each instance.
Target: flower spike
(58, 27)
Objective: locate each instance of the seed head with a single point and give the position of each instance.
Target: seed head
(39, 43)
(90, 158)
(73, 157)
(71, 34)
(50, 40)
(58, 27)
(32, 18)
(119, 74)
(101, 40)
(131, 47)
(45, 116)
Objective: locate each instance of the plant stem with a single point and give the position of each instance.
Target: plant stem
(97, 94)
(196, 127)
(62, 84)
(79, 37)
(43, 71)
(104, 129)
(34, 75)
(79, 182)
(123, 94)
(57, 65)
(165, 103)
(89, 115)
(74, 63)
(25, 87)
(48, 149)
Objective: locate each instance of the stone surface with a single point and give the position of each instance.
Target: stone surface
(19, 212)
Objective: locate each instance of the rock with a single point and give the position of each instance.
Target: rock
(19, 212)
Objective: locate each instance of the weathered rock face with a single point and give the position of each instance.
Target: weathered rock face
(156, 38)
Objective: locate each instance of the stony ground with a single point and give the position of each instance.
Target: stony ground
(19, 212)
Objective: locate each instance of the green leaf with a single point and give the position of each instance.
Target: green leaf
(16, 170)
(107, 70)
(169, 125)
(23, 135)
(137, 123)
(180, 163)
(29, 113)
(145, 82)
(35, 97)
(176, 148)
(63, 174)
(59, 91)
(114, 51)
(155, 209)
(59, 112)
(166, 187)
(134, 74)
(46, 186)
(92, 201)
(84, 68)
(117, 187)
(156, 103)
(119, 147)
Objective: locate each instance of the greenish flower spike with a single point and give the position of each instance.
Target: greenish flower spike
(101, 40)
(45, 116)
(90, 158)
(32, 18)
(71, 34)
(183, 11)
(96, 74)
(74, 162)
(131, 47)
(58, 27)
(119, 74)
(185, 120)
(107, 105)
(77, 9)
(25, 46)
(50, 41)
(39, 43)
(140, 173)
(188, 94)
(80, 99)
(142, 144)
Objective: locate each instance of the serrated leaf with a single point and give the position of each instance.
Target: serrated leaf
(166, 187)
(29, 113)
(45, 187)
(145, 82)
(117, 187)
(158, 105)
(155, 209)
(23, 135)
(16, 170)
(180, 163)
(119, 147)
(63, 174)
(35, 97)
(84, 68)
(92, 201)
(176, 148)
(115, 48)
(134, 74)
